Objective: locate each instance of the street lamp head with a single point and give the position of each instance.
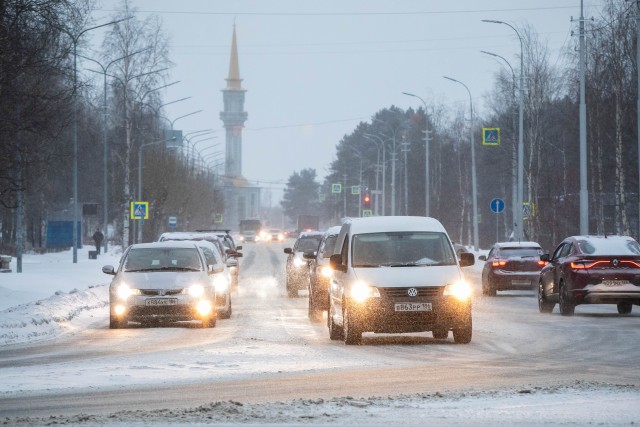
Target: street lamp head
(449, 78)
(493, 21)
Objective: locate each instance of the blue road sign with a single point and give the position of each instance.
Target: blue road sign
(497, 205)
(173, 221)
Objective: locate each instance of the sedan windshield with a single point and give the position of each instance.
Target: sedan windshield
(401, 249)
(163, 259)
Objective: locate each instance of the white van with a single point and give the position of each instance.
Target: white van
(398, 274)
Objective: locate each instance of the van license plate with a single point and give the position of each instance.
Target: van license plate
(413, 306)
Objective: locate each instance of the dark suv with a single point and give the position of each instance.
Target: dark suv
(297, 269)
(591, 270)
(511, 266)
(320, 274)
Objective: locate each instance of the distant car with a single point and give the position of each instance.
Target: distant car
(320, 274)
(274, 235)
(248, 236)
(162, 282)
(229, 256)
(511, 266)
(221, 280)
(297, 268)
(591, 270)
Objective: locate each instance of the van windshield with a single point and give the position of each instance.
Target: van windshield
(401, 249)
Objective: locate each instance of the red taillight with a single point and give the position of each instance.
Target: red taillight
(631, 263)
(498, 263)
(542, 263)
(586, 265)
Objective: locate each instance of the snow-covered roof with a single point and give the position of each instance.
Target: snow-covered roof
(165, 244)
(395, 223)
(517, 245)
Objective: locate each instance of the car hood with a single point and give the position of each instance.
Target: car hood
(409, 276)
(162, 279)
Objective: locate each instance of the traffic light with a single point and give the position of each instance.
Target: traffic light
(366, 201)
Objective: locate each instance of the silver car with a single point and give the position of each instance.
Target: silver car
(222, 280)
(162, 282)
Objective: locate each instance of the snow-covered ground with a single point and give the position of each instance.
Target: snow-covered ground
(53, 297)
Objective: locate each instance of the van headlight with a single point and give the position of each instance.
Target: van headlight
(124, 291)
(360, 292)
(459, 290)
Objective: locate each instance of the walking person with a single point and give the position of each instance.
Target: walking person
(97, 238)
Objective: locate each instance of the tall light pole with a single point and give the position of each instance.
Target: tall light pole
(426, 155)
(474, 185)
(519, 230)
(584, 192)
(383, 166)
(638, 102)
(74, 39)
(393, 166)
(514, 159)
(162, 141)
(105, 157)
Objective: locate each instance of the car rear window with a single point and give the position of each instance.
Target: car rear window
(609, 247)
(520, 252)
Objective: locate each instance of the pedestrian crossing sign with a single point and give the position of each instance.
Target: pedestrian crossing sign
(139, 210)
(491, 136)
(336, 188)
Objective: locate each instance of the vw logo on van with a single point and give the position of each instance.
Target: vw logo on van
(412, 292)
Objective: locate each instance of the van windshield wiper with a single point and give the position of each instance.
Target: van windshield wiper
(410, 264)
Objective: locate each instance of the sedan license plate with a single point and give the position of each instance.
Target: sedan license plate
(413, 306)
(615, 282)
(161, 301)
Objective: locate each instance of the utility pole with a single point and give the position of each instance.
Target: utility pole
(584, 193)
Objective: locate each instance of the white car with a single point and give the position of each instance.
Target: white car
(162, 282)
(398, 275)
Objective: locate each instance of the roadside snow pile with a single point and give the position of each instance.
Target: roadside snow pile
(602, 404)
(48, 318)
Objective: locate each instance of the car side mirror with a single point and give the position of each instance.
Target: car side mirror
(288, 251)
(237, 255)
(545, 257)
(467, 259)
(239, 248)
(309, 255)
(108, 269)
(335, 261)
(482, 257)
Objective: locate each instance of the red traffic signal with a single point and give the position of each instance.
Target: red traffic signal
(366, 200)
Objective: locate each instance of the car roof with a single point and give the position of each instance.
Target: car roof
(188, 235)
(394, 223)
(165, 244)
(503, 245)
(333, 231)
(310, 234)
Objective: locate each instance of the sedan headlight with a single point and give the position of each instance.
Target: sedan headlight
(221, 283)
(196, 290)
(360, 292)
(459, 290)
(124, 291)
(326, 271)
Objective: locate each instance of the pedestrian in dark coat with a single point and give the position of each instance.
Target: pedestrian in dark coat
(97, 238)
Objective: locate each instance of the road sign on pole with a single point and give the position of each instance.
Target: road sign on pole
(139, 210)
(173, 221)
(491, 136)
(497, 205)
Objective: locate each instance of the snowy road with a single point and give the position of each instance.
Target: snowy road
(269, 352)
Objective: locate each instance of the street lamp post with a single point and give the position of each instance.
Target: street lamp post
(426, 155)
(384, 169)
(105, 159)
(474, 185)
(162, 141)
(519, 229)
(393, 166)
(514, 158)
(74, 39)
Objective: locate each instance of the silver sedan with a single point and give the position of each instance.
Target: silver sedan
(161, 282)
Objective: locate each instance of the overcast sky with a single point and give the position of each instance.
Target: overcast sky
(314, 70)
